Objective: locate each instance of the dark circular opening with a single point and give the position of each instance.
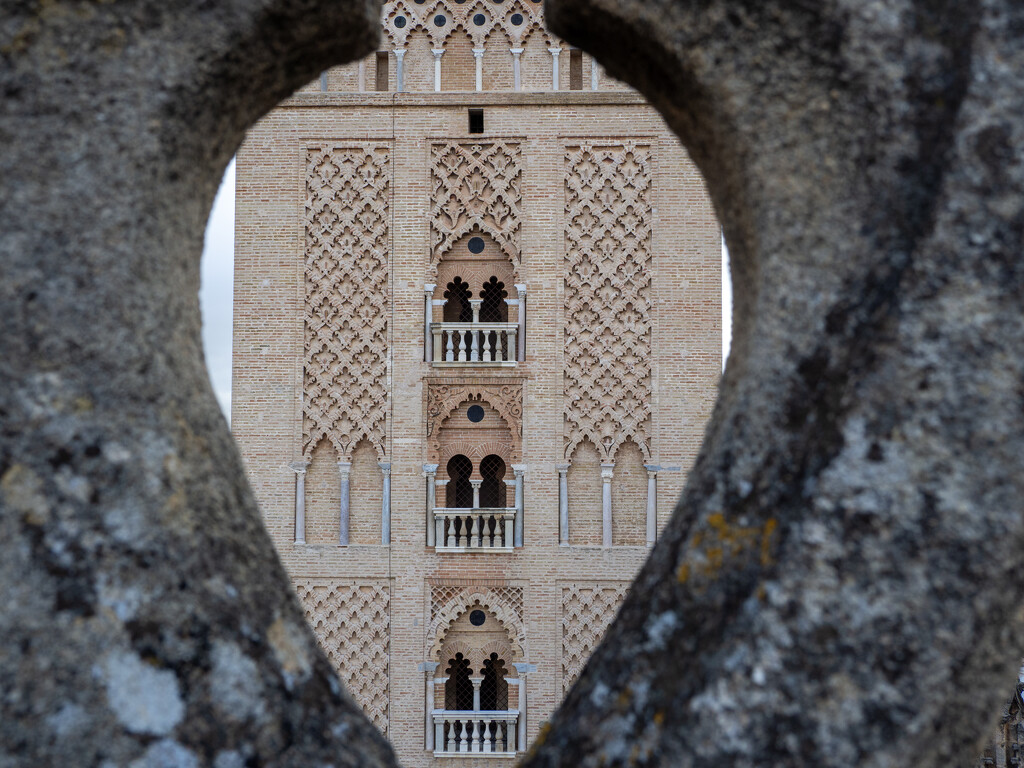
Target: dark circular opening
(400, 21)
(479, 19)
(477, 618)
(439, 20)
(476, 245)
(475, 413)
(517, 19)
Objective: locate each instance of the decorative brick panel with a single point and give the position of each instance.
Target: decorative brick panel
(345, 378)
(587, 610)
(352, 623)
(607, 296)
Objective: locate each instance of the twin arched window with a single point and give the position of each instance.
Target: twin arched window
(460, 490)
(458, 690)
(493, 308)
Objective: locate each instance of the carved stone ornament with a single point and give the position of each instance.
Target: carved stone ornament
(352, 623)
(448, 602)
(607, 297)
(345, 379)
(475, 187)
(497, 29)
(504, 395)
(587, 610)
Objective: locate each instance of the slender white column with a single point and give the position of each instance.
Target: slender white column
(345, 470)
(439, 490)
(652, 503)
(385, 504)
(361, 75)
(521, 352)
(595, 74)
(476, 492)
(428, 316)
(519, 470)
(522, 670)
(299, 468)
(517, 75)
(563, 504)
(474, 348)
(429, 668)
(478, 54)
(476, 692)
(323, 81)
(606, 502)
(400, 69)
(438, 53)
(554, 67)
(430, 472)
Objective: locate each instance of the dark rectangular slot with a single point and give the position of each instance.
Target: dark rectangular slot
(382, 70)
(476, 121)
(575, 69)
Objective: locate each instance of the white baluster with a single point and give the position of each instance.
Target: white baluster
(464, 738)
(509, 532)
(474, 352)
(462, 345)
(439, 531)
(476, 736)
(510, 730)
(487, 735)
(449, 350)
(474, 536)
(451, 541)
(439, 742)
(488, 355)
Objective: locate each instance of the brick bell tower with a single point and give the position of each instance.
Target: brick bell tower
(477, 338)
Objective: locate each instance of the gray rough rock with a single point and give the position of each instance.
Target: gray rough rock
(841, 582)
(144, 617)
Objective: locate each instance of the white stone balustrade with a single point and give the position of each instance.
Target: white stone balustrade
(463, 344)
(468, 530)
(458, 733)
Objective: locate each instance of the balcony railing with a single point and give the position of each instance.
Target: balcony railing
(458, 733)
(462, 344)
(470, 530)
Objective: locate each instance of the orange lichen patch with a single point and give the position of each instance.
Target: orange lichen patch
(710, 550)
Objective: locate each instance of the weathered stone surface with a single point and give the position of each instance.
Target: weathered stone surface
(840, 584)
(145, 619)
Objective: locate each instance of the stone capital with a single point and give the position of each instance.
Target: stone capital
(430, 667)
(519, 469)
(399, 53)
(562, 468)
(524, 668)
(554, 51)
(607, 471)
(429, 470)
(345, 467)
(429, 288)
(385, 468)
(521, 288)
(653, 468)
(438, 52)
(516, 51)
(479, 52)
(298, 467)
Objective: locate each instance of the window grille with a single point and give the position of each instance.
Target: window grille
(492, 489)
(458, 691)
(494, 688)
(459, 491)
(493, 308)
(458, 309)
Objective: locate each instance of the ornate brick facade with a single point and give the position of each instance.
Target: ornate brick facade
(464, 314)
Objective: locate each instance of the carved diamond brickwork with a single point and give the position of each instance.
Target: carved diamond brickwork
(449, 601)
(346, 312)
(352, 623)
(587, 610)
(445, 395)
(607, 296)
(476, 187)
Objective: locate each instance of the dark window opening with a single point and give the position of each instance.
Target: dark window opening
(476, 121)
(459, 492)
(493, 308)
(382, 71)
(458, 690)
(492, 489)
(494, 687)
(458, 309)
(575, 69)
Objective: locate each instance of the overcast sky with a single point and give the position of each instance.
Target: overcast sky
(217, 281)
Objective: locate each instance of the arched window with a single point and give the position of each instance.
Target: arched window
(493, 308)
(492, 490)
(458, 309)
(459, 491)
(458, 690)
(494, 687)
